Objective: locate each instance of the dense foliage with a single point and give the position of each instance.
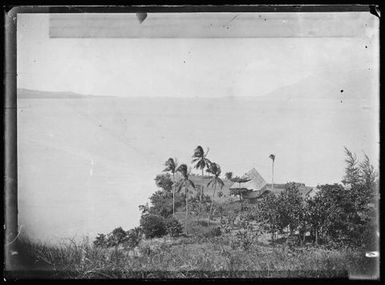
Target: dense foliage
(133, 237)
(200, 205)
(118, 236)
(153, 226)
(162, 199)
(337, 215)
(164, 181)
(173, 227)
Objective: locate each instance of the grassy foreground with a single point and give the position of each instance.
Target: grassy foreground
(186, 257)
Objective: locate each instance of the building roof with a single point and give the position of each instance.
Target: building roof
(278, 188)
(256, 181)
(252, 195)
(257, 186)
(305, 190)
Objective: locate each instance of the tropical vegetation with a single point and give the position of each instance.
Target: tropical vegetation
(325, 235)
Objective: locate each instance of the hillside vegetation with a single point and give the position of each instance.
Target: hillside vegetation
(186, 233)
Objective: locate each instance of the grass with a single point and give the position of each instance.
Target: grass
(193, 257)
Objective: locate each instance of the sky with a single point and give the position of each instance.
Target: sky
(299, 85)
(275, 51)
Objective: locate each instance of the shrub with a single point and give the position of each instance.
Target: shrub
(161, 200)
(100, 241)
(116, 237)
(370, 238)
(133, 237)
(226, 225)
(153, 226)
(173, 227)
(243, 239)
(203, 223)
(215, 232)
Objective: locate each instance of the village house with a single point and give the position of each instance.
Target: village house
(253, 189)
(256, 188)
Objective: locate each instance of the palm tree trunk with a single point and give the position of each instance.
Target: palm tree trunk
(212, 202)
(272, 176)
(173, 195)
(201, 196)
(185, 222)
(199, 214)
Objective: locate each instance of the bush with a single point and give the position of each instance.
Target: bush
(162, 200)
(100, 241)
(173, 227)
(153, 226)
(226, 225)
(133, 237)
(203, 223)
(243, 239)
(215, 232)
(116, 237)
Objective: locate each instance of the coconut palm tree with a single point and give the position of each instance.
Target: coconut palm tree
(272, 157)
(201, 161)
(171, 166)
(215, 181)
(185, 183)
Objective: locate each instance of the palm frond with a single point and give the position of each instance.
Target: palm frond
(200, 164)
(219, 171)
(196, 159)
(191, 183)
(229, 175)
(170, 165)
(182, 169)
(179, 185)
(198, 151)
(214, 169)
(220, 182)
(207, 162)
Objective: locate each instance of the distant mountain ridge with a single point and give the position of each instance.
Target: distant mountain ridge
(36, 94)
(347, 85)
(350, 85)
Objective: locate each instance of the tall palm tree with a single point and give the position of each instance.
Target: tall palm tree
(185, 183)
(201, 161)
(215, 181)
(272, 157)
(171, 166)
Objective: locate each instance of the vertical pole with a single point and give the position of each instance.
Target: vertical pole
(173, 194)
(201, 194)
(185, 223)
(272, 176)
